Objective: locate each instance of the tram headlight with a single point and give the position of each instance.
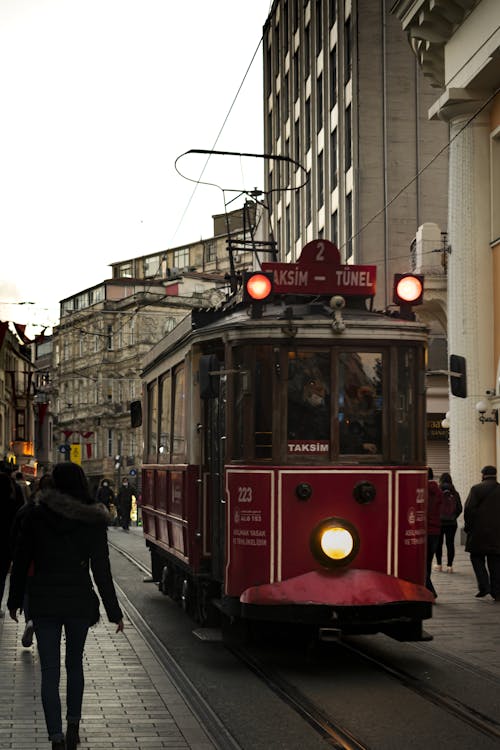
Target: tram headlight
(334, 542)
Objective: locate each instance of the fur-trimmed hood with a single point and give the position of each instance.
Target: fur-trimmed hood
(71, 509)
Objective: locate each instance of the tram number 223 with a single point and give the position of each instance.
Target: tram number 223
(244, 494)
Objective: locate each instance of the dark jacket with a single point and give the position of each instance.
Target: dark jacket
(10, 502)
(124, 499)
(434, 500)
(482, 518)
(64, 538)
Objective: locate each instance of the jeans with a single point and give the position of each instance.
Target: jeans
(48, 632)
(448, 534)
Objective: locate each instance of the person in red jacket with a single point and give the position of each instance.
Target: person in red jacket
(434, 501)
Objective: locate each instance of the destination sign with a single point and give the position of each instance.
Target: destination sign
(318, 271)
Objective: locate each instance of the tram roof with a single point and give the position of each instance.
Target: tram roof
(312, 322)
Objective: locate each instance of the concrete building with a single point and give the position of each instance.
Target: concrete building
(457, 44)
(345, 99)
(16, 400)
(105, 331)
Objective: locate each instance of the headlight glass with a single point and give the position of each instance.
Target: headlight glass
(337, 543)
(334, 542)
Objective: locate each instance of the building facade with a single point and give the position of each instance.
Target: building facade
(105, 331)
(344, 98)
(16, 401)
(457, 45)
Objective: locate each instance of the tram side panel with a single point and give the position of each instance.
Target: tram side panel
(171, 513)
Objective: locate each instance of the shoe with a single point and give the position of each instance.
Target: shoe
(27, 638)
(480, 594)
(438, 567)
(58, 745)
(72, 736)
(449, 569)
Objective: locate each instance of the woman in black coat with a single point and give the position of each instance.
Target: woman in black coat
(61, 540)
(10, 502)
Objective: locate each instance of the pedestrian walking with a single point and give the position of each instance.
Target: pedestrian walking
(124, 499)
(482, 527)
(451, 508)
(434, 501)
(41, 485)
(10, 502)
(106, 496)
(64, 537)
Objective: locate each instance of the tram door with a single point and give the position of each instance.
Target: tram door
(215, 455)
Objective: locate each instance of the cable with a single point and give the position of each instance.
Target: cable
(421, 171)
(217, 139)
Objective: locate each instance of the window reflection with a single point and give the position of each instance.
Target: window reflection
(360, 402)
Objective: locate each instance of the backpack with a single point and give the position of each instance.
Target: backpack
(449, 506)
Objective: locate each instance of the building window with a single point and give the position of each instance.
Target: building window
(308, 124)
(319, 103)
(181, 258)
(319, 26)
(287, 230)
(296, 14)
(211, 251)
(333, 160)
(296, 74)
(347, 51)
(151, 266)
(109, 449)
(333, 77)
(308, 203)
(348, 138)
(348, 225)
(307, 51)
(286, 99)
(109, 338)
(332, 11)
(320, 176)
(297, 215)
(124, 270)
(335, 228)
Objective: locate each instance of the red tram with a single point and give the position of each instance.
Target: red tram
(284, 474)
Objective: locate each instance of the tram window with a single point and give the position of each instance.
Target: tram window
(308, 416)
(240, 396)
(152, 441)
(360, 403)
(405, 411)
(263, 419)
(165, 446)
(179, 409)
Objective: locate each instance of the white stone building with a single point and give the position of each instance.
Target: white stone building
(457, 44)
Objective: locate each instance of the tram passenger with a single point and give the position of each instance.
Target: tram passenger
(308, 400)
(63, 536)
(359, 424)
(434, 502)
(482, 526)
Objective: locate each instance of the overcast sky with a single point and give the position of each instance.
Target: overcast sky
(98, 99)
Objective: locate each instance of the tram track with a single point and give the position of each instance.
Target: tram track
(334, 733)
(484, 724)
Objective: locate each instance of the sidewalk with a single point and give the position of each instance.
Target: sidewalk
(129, 701)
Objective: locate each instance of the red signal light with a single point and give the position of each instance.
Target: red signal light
(408, 288)
(258, 286)
(257, 289)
